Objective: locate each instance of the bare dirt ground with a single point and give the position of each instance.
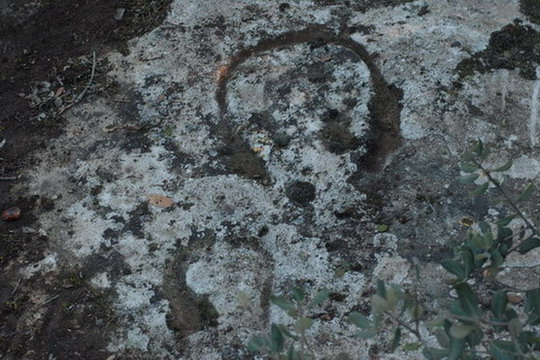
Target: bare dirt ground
(43, 47)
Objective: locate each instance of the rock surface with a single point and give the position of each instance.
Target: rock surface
(280, 135)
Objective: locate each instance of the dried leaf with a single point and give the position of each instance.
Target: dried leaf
(160, 201)
(59, 91)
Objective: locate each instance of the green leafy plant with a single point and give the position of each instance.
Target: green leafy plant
(288, 343)
(469, 328)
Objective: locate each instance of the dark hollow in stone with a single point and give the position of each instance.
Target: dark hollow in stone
(300, 192)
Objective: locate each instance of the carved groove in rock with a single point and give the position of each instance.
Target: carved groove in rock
(384, 105)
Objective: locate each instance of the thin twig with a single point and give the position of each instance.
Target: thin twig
(509, 199)
(88, 86)
(81, 95)
(478, 320)
(16, 287)
(107, 325)
(49, 300)
(9, 178)
(401, 323)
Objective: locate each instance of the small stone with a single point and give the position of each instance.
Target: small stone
(514, 298)
(119, 14)
(11, 214)
(45, 85)
(58, 102)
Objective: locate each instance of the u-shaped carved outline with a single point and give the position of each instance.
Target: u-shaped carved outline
(385, 109)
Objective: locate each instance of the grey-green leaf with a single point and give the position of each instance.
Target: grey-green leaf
(396, 339)
(478, 147)
(434, 354)
(298, 294)
(359, 320)
(496, 257)
(287, 332)
(506, 220)
(480, 189)
(467, 258)
(468, 167)
(498, 303)
(379, 304)
(381, 289)
(292, 354)
(468, 179)
(277, 340)
(303, 323)
(453, 267)
(442, 338)
(532, 305)
(515, 327)
(503, 350)
(460, 331)
(456, 348)
(467, 300)
(257, 343)
(505, 167)
(282, 303)
(528, 245)
(529, 189)
(320, 297)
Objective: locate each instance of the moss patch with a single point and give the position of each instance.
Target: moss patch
(515, 46)
(364, 5)
(300, 192)
(336, 134)
(531, 8)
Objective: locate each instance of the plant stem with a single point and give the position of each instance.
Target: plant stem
(509, 199)
(408, 327)
(478, 320)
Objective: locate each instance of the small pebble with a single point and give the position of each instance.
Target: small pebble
(58, 102)
(11, 214)
(119, 14)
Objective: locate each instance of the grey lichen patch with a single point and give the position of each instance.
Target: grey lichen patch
(515, 46)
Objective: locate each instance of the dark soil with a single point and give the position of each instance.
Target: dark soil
(42, 41)
(515, 46)
(531, 8)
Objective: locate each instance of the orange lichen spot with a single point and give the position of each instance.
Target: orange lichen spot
(222, 72)
(466, 221)
(160, 201)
